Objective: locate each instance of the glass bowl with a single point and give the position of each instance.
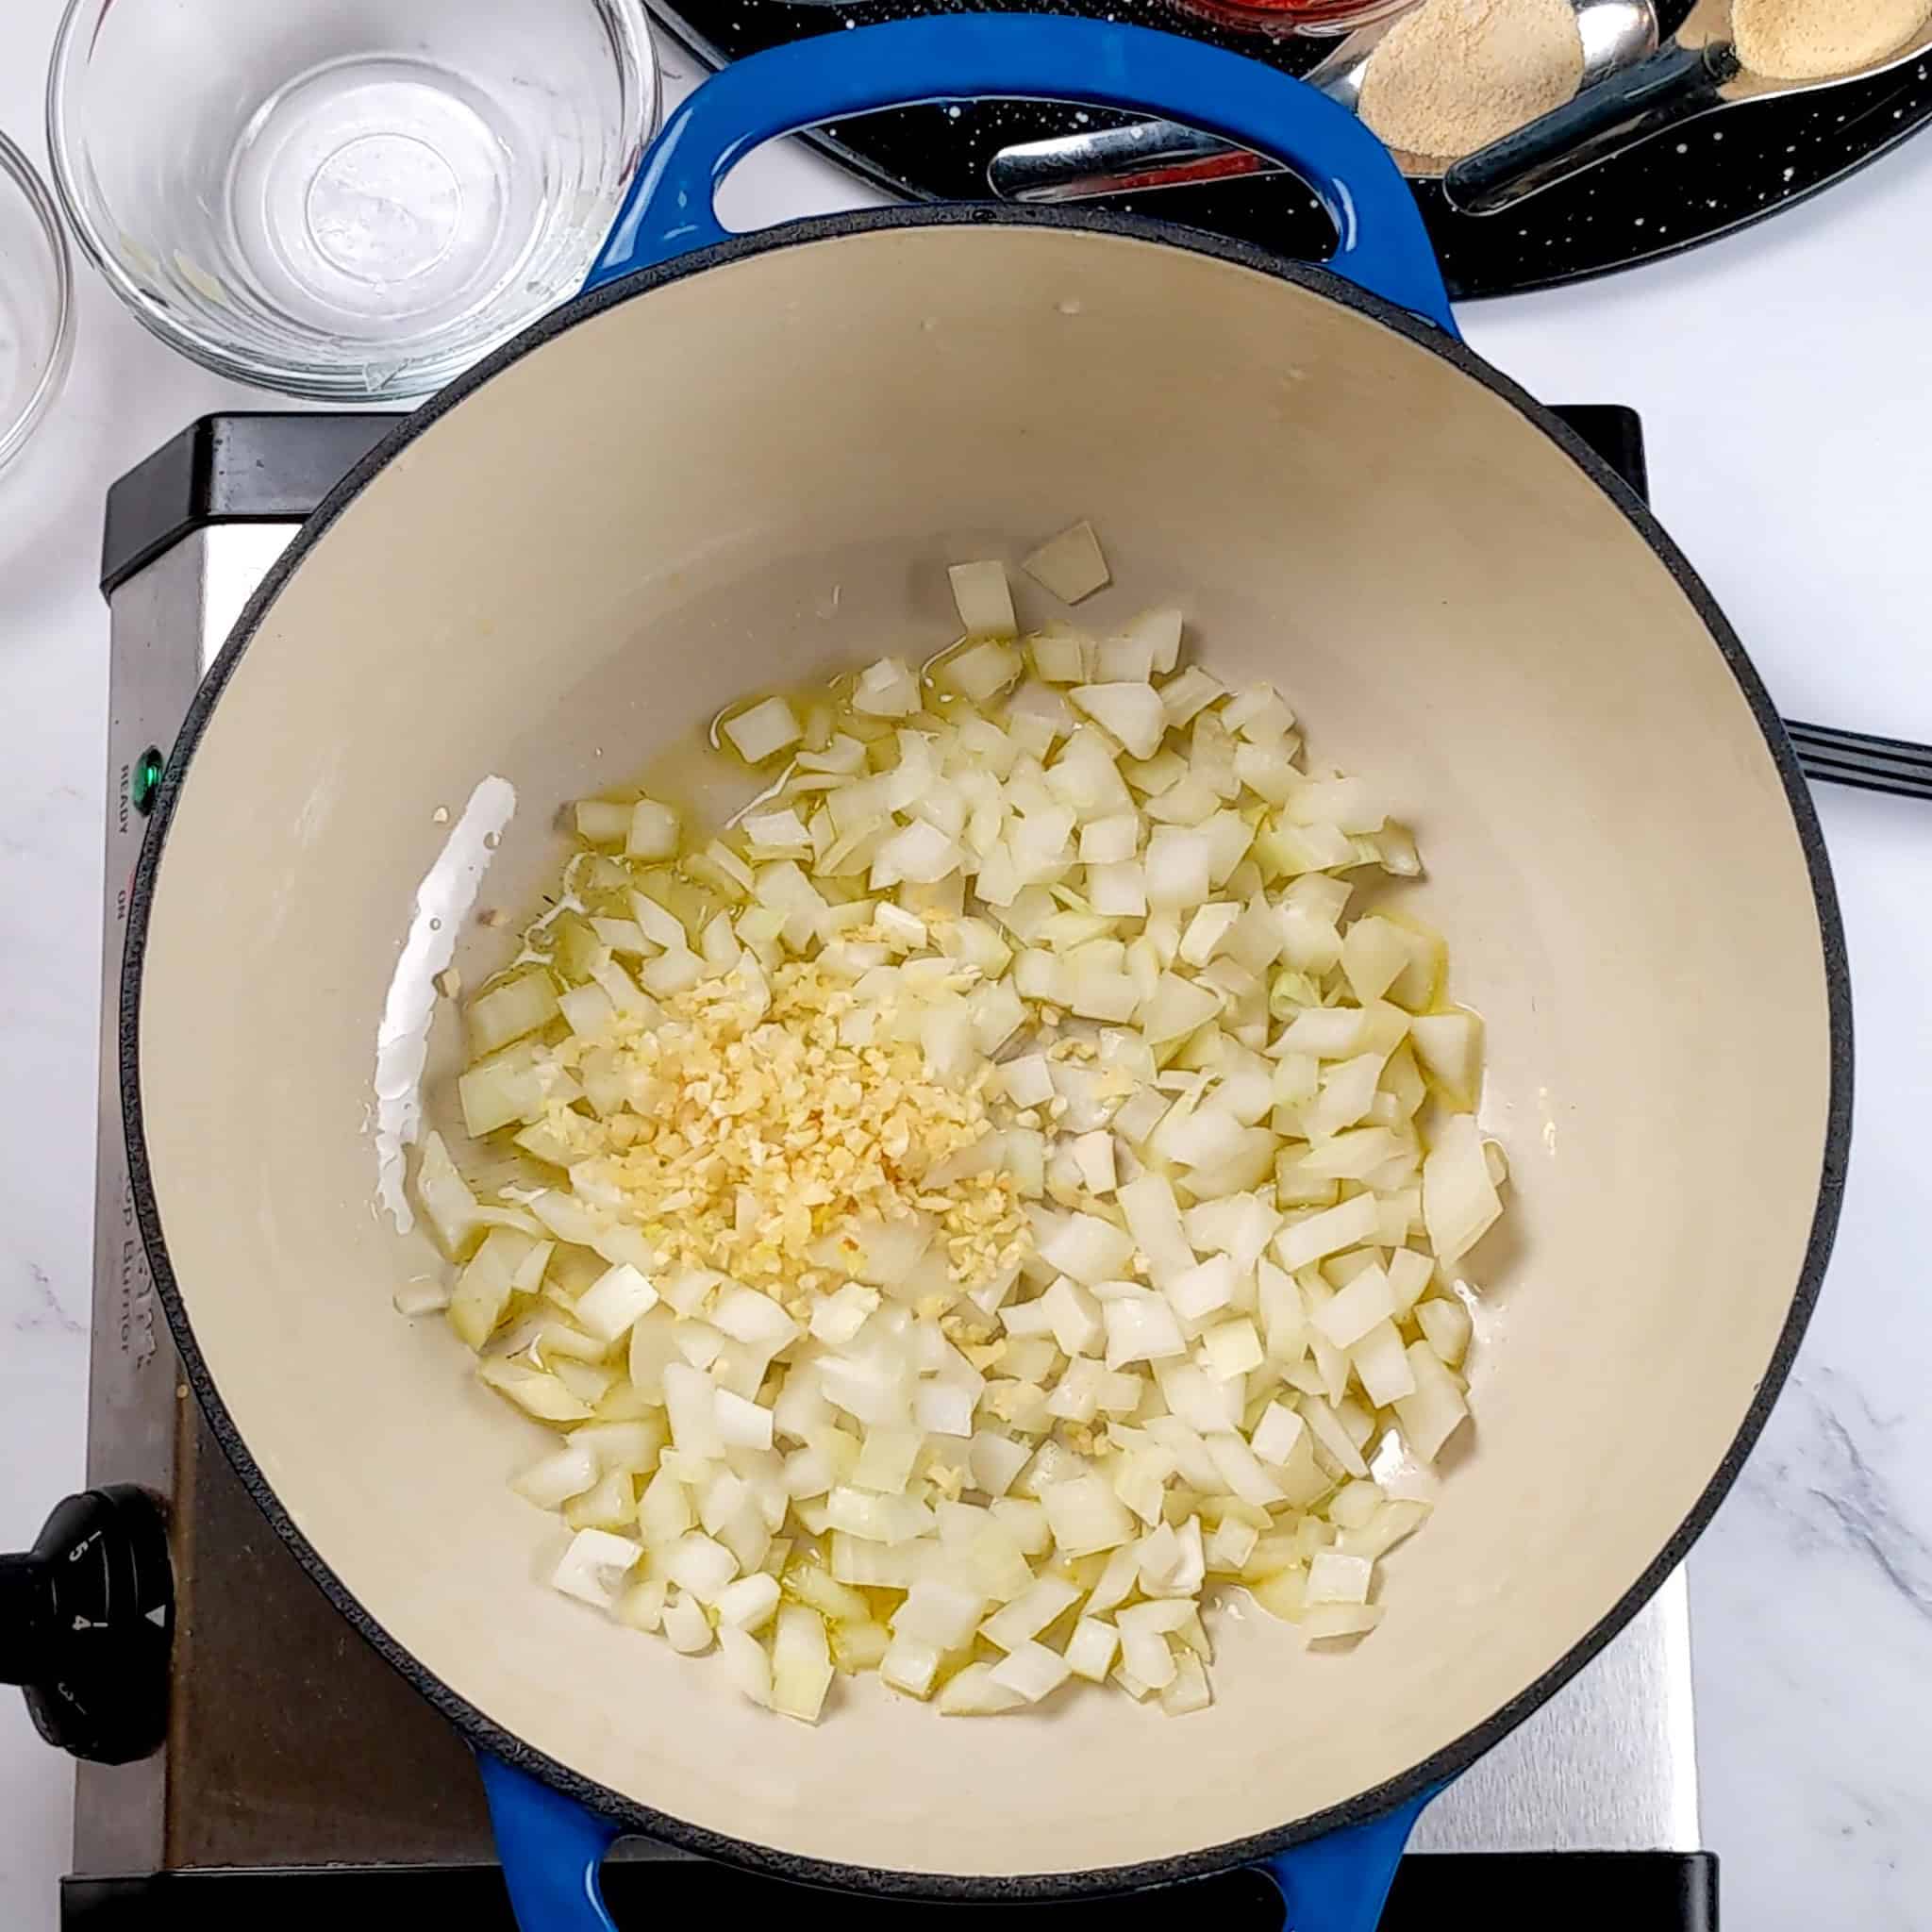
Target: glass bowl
(36, 301)
(346, 199)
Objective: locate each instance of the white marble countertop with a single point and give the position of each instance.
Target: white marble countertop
(1785, 379)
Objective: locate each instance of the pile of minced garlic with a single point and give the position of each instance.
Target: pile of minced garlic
(765, 1117)
(991, 1197)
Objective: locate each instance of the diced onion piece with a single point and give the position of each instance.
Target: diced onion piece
(763, 730)
(1131, 712)
(1325, 1623)
(602, 821)
(1445, 1327)
(838, 1318)
(1094, 1156)
(593, 1566)
(1062, 655)
(919, 852)
(800, 1664)
(1241, 1473)
(446, 1200)
(1088, 1248)
(1459, 1200)
(742, 1424)
(1156, 1223)
(564, 1474)
(1381, 1366)
(1327, 1233)
(653, 831)
(510, 1010)
(1070, 565)
(1192, 691)
(1073, 1317)
(614, 1301)
(1233, 1348)
(973, 1692)
(745, 1662)
(1159, 631)
(1092, 1649)
(939, 1614)
(1394, 1520)
(995, 1460)
(698, 1564)
(1450, 1048)
(686, 1629)
(981, 671)
(750, 1602)
(1033, 1671)
(1144, 1650)
(1190, 1691)
(1436, 1410)
(1086, 1516)
(984, 599)
(1141, 1328)
(1109, 840)
(689, 1398)
(1355, 1310)
(1203, 1289)
(1030, 1612)
(1326, 1427)
(889, 689)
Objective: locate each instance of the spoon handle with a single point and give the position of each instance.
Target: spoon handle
(1599, 121)
(1117, 161)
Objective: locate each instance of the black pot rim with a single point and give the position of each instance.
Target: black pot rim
(1419, 1779)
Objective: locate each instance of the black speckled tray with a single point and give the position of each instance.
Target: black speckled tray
(1696, 179)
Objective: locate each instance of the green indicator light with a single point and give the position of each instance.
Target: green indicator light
(146, 780)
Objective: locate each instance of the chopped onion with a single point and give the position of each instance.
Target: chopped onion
(614, 1301)
(975, 1694)
(1087, 1248)
(1070, 565)
(984, 599)
(763, 730)
(1459, 1199)
(1447, 1329)
(1131, 712)
(855, 1428)
(1033, 1671)
(594, 1564)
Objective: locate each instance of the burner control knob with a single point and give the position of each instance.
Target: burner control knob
(86, 1619)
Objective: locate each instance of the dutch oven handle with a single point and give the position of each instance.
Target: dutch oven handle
(552, 1848)
(1383, 247)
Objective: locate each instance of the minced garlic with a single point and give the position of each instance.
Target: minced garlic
(758, 1131)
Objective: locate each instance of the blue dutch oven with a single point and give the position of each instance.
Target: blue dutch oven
(738, 462)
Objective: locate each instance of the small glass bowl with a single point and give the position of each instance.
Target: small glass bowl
(36, 301)
(346, 199)
(1279, 19)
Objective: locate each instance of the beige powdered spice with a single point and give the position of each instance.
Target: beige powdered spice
(1456, 75)
(1812, 39)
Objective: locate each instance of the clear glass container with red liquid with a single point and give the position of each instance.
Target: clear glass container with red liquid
(1280, 18)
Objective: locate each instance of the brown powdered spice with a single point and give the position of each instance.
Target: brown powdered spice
(1456, 75)
(1812, 39)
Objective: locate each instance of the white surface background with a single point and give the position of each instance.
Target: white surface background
(1785, 379)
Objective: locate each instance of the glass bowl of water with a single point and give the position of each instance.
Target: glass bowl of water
(346, 199)
(36, 301)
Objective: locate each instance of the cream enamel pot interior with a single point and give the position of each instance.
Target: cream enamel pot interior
(747, 466)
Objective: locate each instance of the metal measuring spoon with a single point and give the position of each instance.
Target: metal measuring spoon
(1166, 153)
(1700, 69)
